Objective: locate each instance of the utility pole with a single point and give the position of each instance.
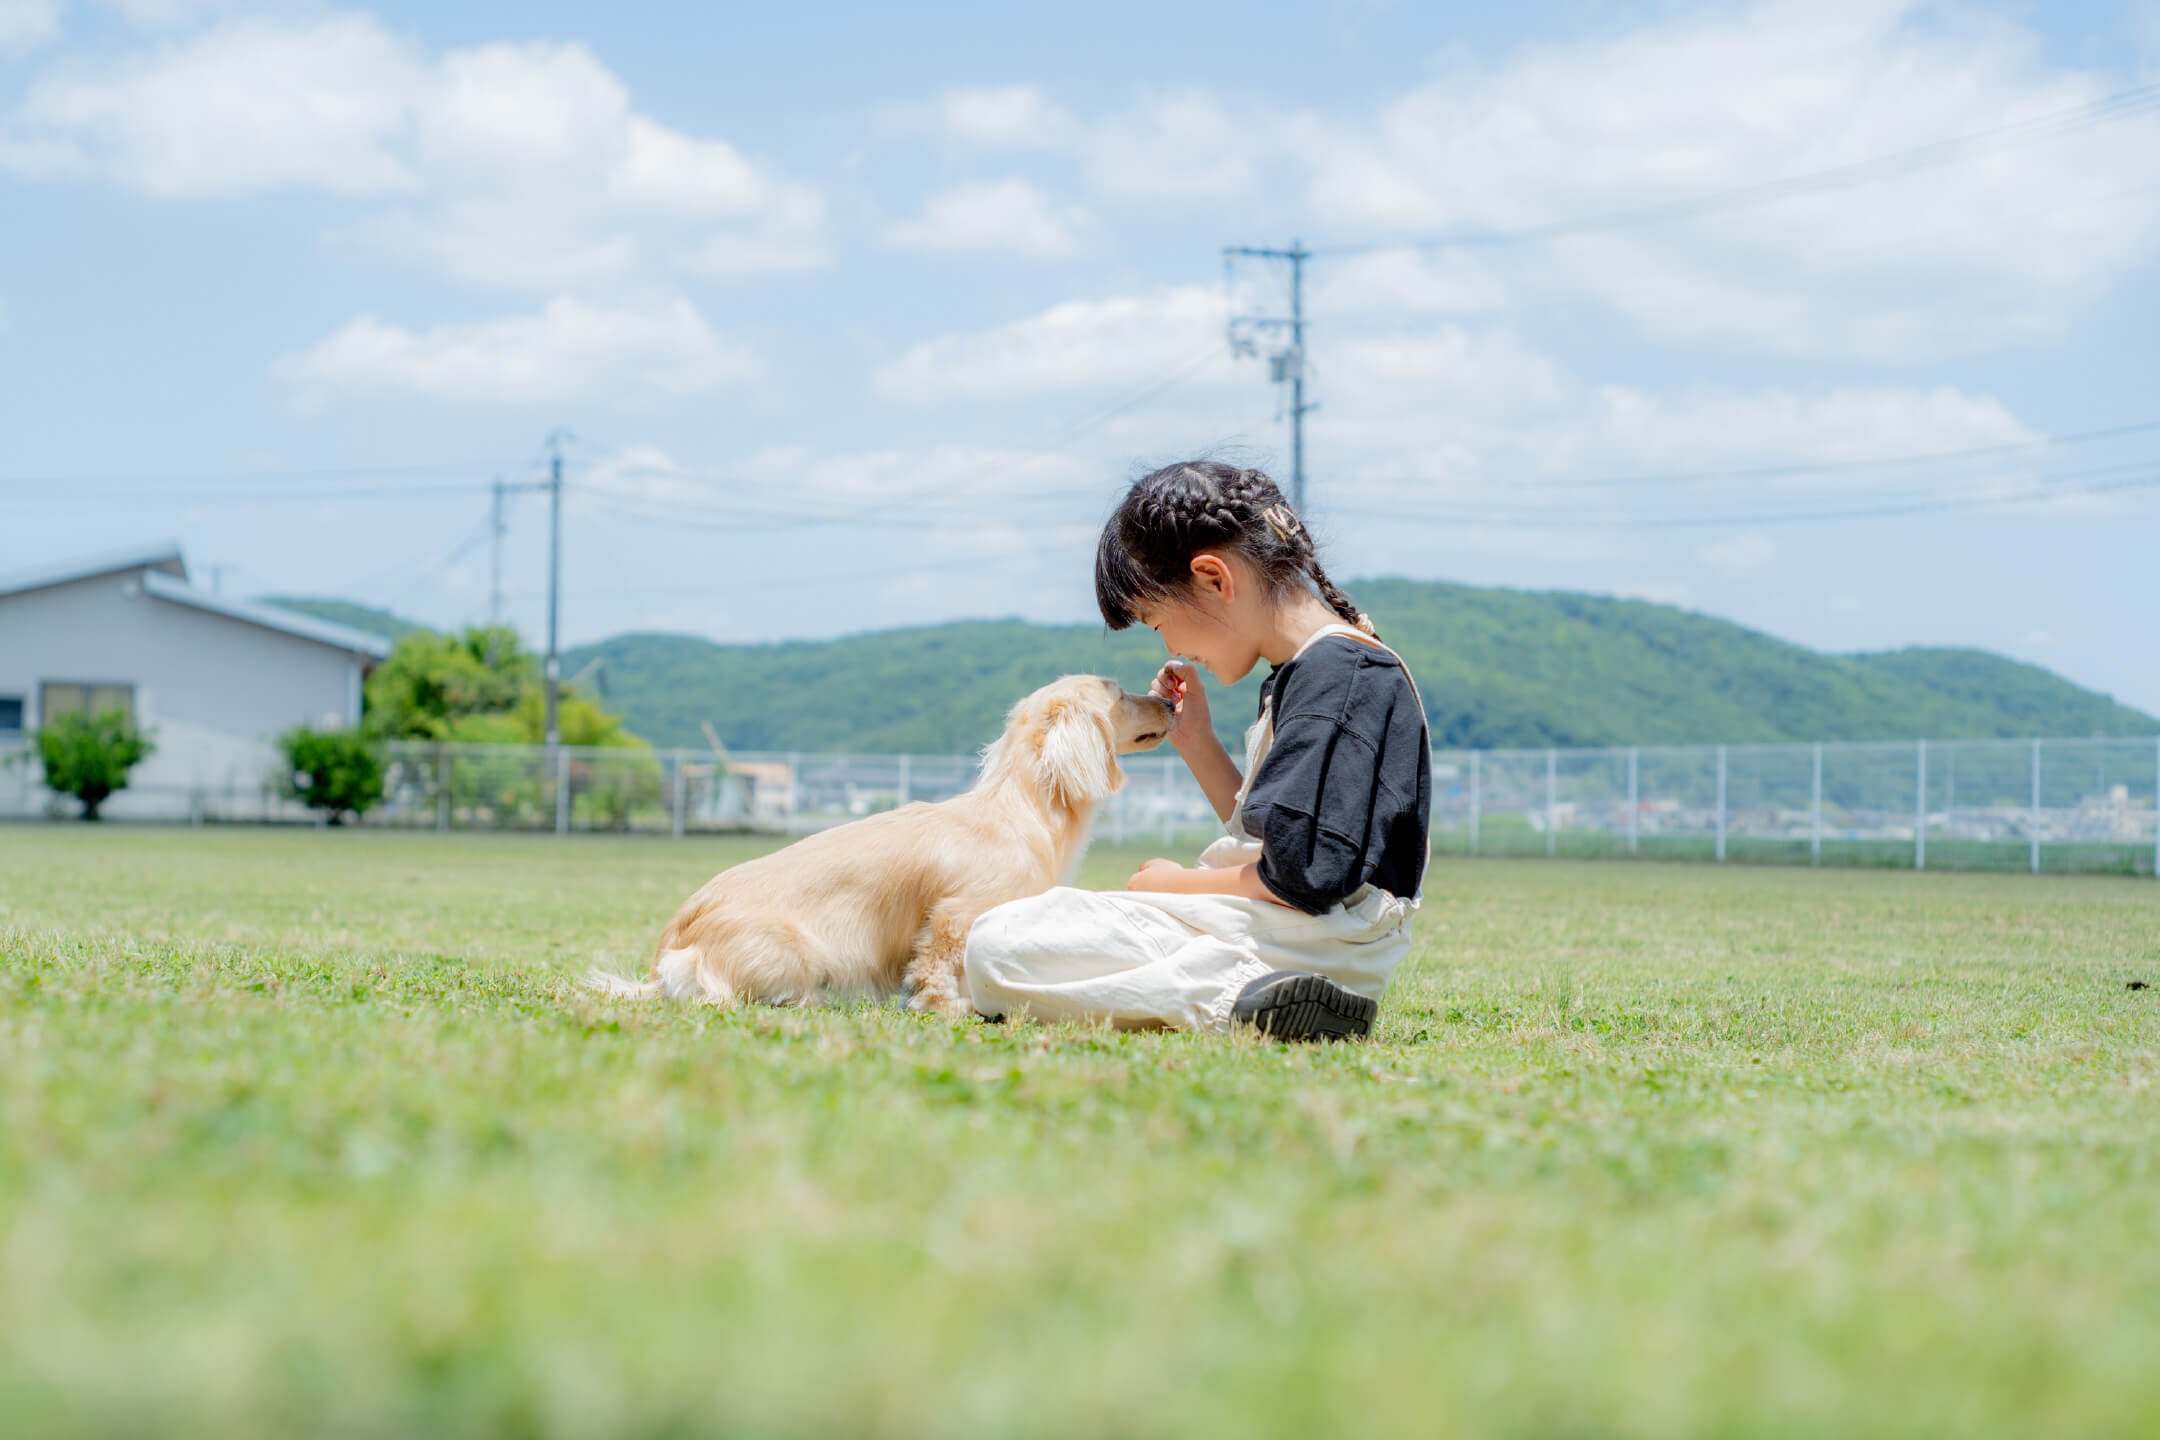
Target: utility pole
(496, 528)
(1286, 365)
(217, 577)
(554, 654)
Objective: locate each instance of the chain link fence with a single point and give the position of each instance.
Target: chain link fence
(2058, 805)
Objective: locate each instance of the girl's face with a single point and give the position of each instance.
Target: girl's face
(1210, 625)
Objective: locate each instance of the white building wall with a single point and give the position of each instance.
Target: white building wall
(217, 690)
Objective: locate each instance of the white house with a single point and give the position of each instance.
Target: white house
(217, 680)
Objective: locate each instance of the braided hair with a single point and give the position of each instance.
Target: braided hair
(1145, 555)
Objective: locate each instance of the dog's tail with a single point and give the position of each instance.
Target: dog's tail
(607, 982)
(676, 974)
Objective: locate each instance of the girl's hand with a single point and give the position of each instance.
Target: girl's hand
(1178, 682)
(1156, 874)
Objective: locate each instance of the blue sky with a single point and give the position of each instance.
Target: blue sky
(860, 315)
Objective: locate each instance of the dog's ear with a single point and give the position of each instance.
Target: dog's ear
(1078, 763)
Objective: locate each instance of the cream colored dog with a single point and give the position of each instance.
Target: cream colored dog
(884, 904)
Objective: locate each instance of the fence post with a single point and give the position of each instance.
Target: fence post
(1476, 799)
(562, 789)
(2156, 807)
(1721, 804)
(1634, 803)
(906, 777)
(442, 789)
(1920, 809)
(1815, 811)
(1552, 803)
(794, 792)
(2033, 825)
(682, 790)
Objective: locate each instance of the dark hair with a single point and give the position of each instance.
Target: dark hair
(1166, 518)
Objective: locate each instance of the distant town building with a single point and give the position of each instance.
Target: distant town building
(217, 679)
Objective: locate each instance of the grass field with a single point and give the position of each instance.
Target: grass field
(306, 1133)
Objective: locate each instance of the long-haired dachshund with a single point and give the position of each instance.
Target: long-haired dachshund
(883, 904)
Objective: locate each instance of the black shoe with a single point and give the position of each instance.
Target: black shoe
(1292, 1005)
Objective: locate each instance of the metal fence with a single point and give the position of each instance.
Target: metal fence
(2084, 805)
(684, 792)
(2087, 805)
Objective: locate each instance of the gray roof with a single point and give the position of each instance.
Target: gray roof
(164, 557)
(292, 622)
(164, 575)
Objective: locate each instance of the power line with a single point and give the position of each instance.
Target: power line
(1288, 365)
(728, 515)
(1827, 467)
(2126, 104)
(1524, 518)
(227, 499)
(142, 478)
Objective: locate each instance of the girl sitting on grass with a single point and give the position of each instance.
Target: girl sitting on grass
(1292, 922)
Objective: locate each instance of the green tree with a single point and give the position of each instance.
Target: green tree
(89, 756)
(580, 720)
(433, 681)
(339, 772)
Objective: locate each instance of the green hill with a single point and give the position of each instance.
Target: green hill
(346, 612)
(1497, 668)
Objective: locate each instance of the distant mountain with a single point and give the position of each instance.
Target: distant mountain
(1497, 668)
(346, 612)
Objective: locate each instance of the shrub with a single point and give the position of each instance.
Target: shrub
(339, 772)
(89, 756)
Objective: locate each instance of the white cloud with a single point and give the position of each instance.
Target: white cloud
(645, 472)
(994, 217)
(1183, 144)
(1396, 283)
(1186, 145)
(570, 351)
(1076, 345)
(171, 14)
(2001, 246)
(255, 105)
(940, 475)
(509, 165)
(26, 25)
(1713, 430)
(2005, 246)
(1748, 553)
(994, 117)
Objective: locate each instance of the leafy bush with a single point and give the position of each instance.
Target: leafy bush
(89, 756)
(339, 772)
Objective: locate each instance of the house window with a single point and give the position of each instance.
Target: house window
(10, 714)
(69, 698)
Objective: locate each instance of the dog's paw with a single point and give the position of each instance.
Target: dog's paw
(950, 1007)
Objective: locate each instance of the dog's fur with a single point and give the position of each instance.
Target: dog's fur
(883, 904)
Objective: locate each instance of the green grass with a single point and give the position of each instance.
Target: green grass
(306, 1133)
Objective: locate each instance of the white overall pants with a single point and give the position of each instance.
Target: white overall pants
(1140, 959)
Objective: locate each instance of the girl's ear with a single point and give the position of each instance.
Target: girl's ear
(1078, 764)
(1212, 576)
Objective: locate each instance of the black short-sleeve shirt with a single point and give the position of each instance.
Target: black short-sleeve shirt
(1343, 797)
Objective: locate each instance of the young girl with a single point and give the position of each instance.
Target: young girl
(1293, 921)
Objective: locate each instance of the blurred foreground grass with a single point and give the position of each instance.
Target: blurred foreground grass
(307, 1132)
